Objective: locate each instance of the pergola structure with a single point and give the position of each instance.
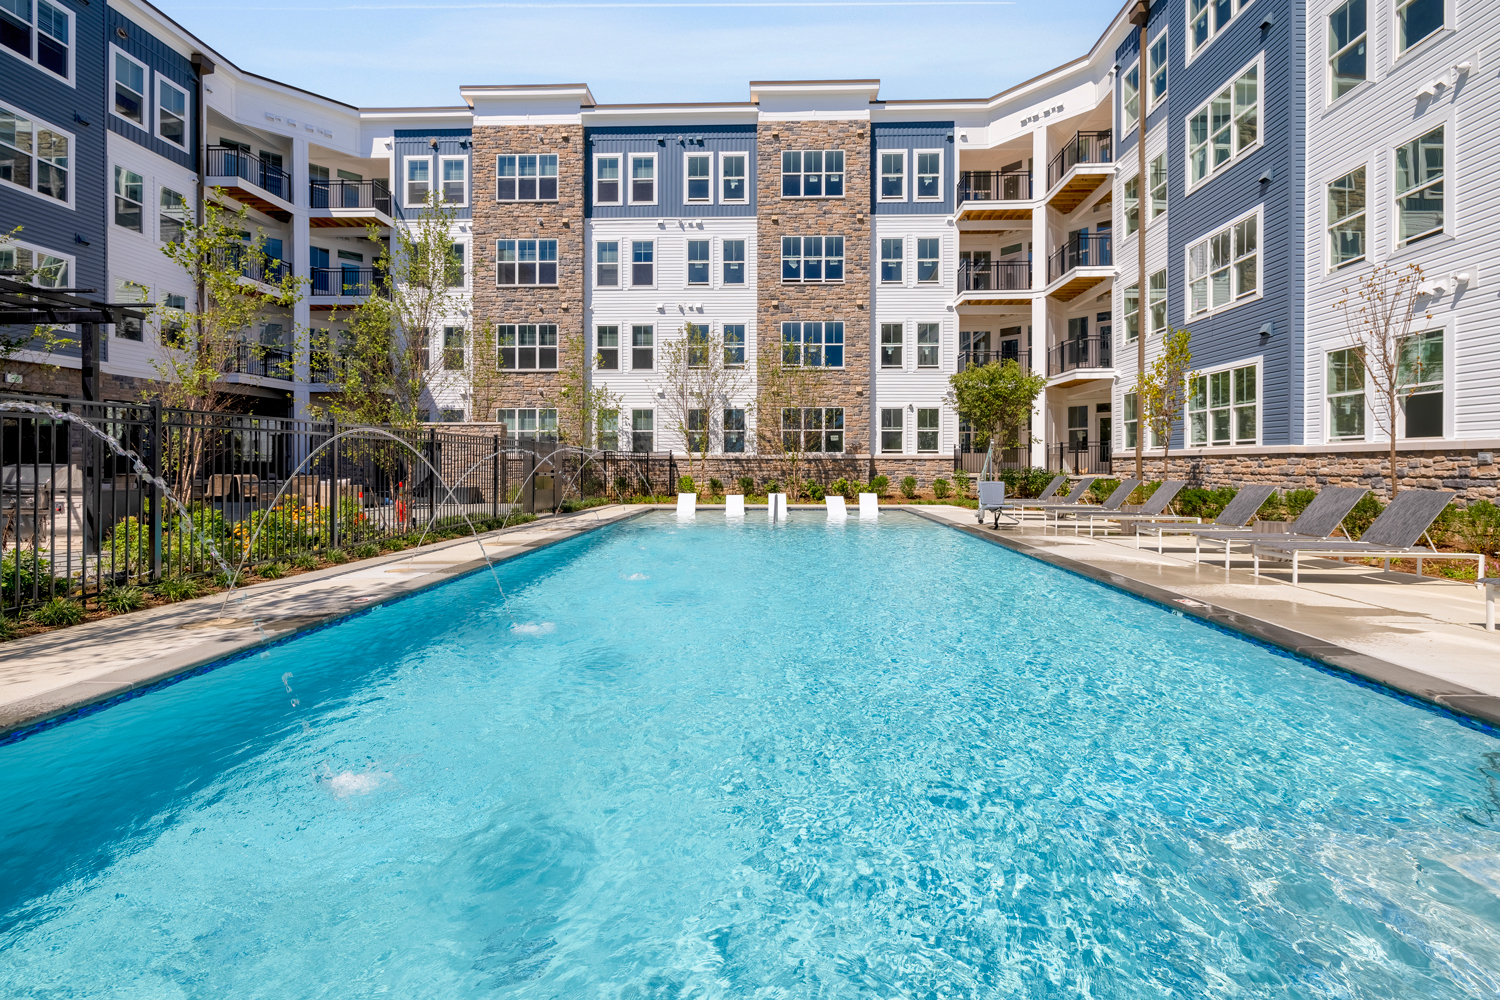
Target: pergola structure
(22, 304)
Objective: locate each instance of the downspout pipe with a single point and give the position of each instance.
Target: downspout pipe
(1139, 16)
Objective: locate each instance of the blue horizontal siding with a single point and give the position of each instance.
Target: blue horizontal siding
(912, 136)
(671, 146)
(165, 61)
(418, 142)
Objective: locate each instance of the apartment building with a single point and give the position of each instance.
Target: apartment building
(888, 243)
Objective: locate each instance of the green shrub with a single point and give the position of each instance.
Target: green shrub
(684, 484)
(226, 580)
(909, 487)
(1196, 501)
(1296, 501)
(715, 487)
(368, 550)
(747, 485)
(880, 485)
(1143, 492)
(845, 488)
(129, 549)
(961, 481)
(1363, 515)
(20, 569)
(813, 491)
(336, 556)
(394, 544)
(305, 560)
(8, 629)
(773, 487)
(622, 485)
(1102, 488)
(271, 571)
(177, 588)
(940, 488)
(1274, 509)
(119, 600)
(1023, 483)
(1478, 527)
(58, 612)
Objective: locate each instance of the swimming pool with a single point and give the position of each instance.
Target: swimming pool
(803, 760)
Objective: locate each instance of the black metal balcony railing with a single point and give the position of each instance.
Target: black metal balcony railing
(1084, 147)
(267, 362)
(997, 276)
(968, 359)
(228, 161)
(257, 267)
(372, 194)
(994, 185)
(1084, 352)
(355, 281)
(326, 371)
(1091, 250)
(1080, 458)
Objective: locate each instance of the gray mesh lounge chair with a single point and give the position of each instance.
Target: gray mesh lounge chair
(1046, 496)
(1151, 510)
(1393, 535)
(1040, 503)
(1056, 512)
(1235, 515)
(1317, 522)
(992, 501)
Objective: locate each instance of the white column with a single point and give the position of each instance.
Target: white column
(301, 261)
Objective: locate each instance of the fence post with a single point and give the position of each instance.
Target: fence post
(156, 495)
(495, 462)
(432, 473)
(333, 486)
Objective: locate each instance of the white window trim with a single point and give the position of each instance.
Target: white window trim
(1259, 361)
(438, 180)
(1260, 269)
(1450, 383)
(1328, 437)
(187, 117)
(1397, 55)
(1156, 102)
(148, 101)
(916, 344)
(1259, 62)
(630, 335)
(70, 258)
(630, 159)
(406, 182)
(687, 264)
(1166, 183)
(620, 180)
(1450, 186)
(1189, 54)
(916, 153)
(713, 176)
(880, 263)
(881, 154)
(1333, 175)
(1322, 42)
(146, 185)
(627, 250)
(719, 191)
(1139, 65)
(468, 246)
(823, 173)
(518, 240)
(36, 125)
(916, 274)
(72, 78)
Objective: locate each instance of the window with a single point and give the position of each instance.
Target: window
(1157, 300)
(130, 88)
(455, 180)
(697, 346)
(1225, 127)
(697, 262)
(130, 291)
(456, 265)
(642, 263)
(527, 346)
(892, 337)
(171, 112)
(642, 354)
(1346, 396)
(642, 429)
(1206, 18)
(526, 177)
(1130, 97)
(1419, 188)
(525, 262)
(927, 430)
(173, 217)
(528, 423)
(929, 339)
(929, 175)
(813, 345)
(1132, 313)
(130, 193)
(892, 430)
(1222, 408)
(812, 258)
(732, 167)
(607, 180)
(607, 263)
(893, 176)
(1158, 187)
(1416, 19)
(173, 321)
(812, 173)
(813, 429)
(1346, 219)
(1224, 268)
(700, 182)
(34, 156)
(1131, 420)
(643, 180)
(734, 431)
(928, 256)
(609, 430)
(697, 431)
(734, 262)
(37, 266)
(52, 36)
(453, 348)
(1421, 380)
(1347, 42)
(607, 349)
(1132, 204)
(891, 253)
(734, 344)
(418, 181)
(1157, 70)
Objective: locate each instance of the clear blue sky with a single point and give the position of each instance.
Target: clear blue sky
(417, 52)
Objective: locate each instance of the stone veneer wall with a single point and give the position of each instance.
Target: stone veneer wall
(561, 220)
(848, 217)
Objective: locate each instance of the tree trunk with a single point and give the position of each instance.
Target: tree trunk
(1393, 445)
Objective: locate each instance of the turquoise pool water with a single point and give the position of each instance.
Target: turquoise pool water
(804, 761)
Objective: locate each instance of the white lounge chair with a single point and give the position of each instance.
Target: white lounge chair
(687, 505)
(869, 506)
(992, 501)
(1491, 584)
(776, 506)
(734, 505)
(837, 511)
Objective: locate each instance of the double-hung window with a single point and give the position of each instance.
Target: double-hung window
(643, 179)
(131, 291)
(642, 263)
(1130, 97)
(1419, 188)
(1224, 268)
(929, 252)
(526, 177)
(130, 88)
(642, 430)
(418, 180)
(734, 176)
(697, 430)
(734, 262)
(813, 429)
(453, 348)
(527, 346)
(1346, 219)
(1225, 127)
(698, 351)
(893, 175)
(1206, 18)
(455, 171)
(812, 258)
(1132, 204)
(929, 175)
(130, 195)
(1157, 301)
(173, 217)
(812, 173)
(528, 422)
(1420, 378)
(929, 338)
(734, 345)
(1132, 313)
(1156, 69)
(1223, 408)
(607, 180)
(892, 338)
(34, 155)
(642, 347)
(1416, 19)
(1158, 179)
(37, 266)
(609, 430)
(1130, 407)
(607, 263)
(734, 430)
(171, 112)
(700, 178)
(525, 262)
(927, 429)
(456, 256)
(892, 430)
(607, 348)
(892, 254)
(1346, 395)
(1348, 42)
(51, 33)
(698, 262)
(812, 345)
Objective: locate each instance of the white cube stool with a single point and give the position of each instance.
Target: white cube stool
(869, 506)
(687, 505)
(734, 506)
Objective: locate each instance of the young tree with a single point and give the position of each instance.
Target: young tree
(996, 399)
(698, 379)
(1159, 389)
(791, 395)
(585, 406)
(1378, 313)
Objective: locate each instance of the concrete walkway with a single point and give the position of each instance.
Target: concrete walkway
(55, 673)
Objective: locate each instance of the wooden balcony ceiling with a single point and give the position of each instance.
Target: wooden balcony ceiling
(248, 194)
(347, 221)
(1078, 376)
(966, 301)
(973, 211)
(1075, 190)
(1076, 286)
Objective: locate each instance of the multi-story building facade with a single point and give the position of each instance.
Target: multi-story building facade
(888, 243)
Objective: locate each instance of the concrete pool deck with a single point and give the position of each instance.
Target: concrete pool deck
(1421, 636)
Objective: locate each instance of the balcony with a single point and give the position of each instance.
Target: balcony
(984, 194)
(1085, 162)
(979, 282)
(325, 371)
(1079, 264)
(250, 181)
(974, 359)
(262, 361)
(334, 204)
(335, 286)
(1081, 458)
(1082, 354)
(261, 269)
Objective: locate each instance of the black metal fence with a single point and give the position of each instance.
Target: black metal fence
(1080, 352)
(974, 461)
(1081, 250)
(994, 185)
(1081, 459)
(374, 194)
(231, 161)
(1084, 147)
(997, 276)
